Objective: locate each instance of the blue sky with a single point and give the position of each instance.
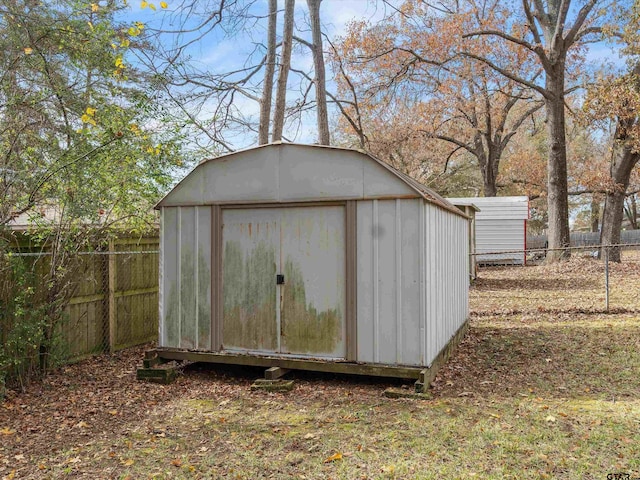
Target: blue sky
(222, 51)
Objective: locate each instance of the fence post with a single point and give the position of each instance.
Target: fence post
(606, 277)
(112, 296)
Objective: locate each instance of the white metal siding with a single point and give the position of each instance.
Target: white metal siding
(497, 208)
(447, 290)
(412, 280)
(500, 226)
(287, 173)
(185, 278)
(500, 236)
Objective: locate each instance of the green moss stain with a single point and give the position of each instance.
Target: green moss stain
(204, 306)
(179, 323)
(249, 296)
(304, 328)
(187, 298)
(170, 321)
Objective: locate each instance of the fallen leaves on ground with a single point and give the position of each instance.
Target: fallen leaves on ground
(333, 458)
(545, 385)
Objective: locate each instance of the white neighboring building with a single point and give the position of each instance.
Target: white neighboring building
(501, 225)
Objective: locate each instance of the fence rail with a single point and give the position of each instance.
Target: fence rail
(544, 249)
(536, 255)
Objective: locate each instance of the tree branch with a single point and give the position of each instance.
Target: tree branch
(509, 75)
(532, 23)
(501, 34)
(516, 126)
(580, 19)
(452, 140)
(587, 31)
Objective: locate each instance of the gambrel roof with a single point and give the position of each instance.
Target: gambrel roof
(287, 172)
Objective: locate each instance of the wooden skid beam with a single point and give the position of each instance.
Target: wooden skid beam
(423, 376)
(427, 375)
(290, 363)
(275, 373)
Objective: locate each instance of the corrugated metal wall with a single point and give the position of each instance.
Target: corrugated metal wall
(500, 226)
(412, 280)
(185, 278)
(500, 235)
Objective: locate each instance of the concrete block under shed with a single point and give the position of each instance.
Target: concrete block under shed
(273, 385)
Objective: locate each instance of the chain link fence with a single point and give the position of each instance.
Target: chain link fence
(592, 261)
(585, 239)
(56, 312)
(104, 301)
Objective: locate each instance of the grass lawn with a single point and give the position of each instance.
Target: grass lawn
(545, 385)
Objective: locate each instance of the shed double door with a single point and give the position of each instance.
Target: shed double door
(283, 283)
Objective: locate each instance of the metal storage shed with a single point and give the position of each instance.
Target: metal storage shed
(314, 258)
(501, 226)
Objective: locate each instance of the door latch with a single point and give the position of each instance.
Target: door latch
(279, 279)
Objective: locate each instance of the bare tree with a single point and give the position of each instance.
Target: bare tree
(221, 107)
(270, 66)
(319, 80)
(553, 33)
(215, 106)
(283, 73)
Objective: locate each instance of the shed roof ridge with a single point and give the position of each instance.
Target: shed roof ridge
(422, 190)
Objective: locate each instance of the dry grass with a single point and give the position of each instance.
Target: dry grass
(546, 385)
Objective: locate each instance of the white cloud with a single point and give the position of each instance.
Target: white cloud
(603, 54)
(336, 14)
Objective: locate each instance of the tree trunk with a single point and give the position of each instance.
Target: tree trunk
(632, 212)
(557, 190)
(595, 214)
(283, 73)
(490, 174)
(488, 160)
(320, 83)
(624, 159)
(489, 189)
(270, 66)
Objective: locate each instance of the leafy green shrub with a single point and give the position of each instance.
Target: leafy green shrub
(27, 319)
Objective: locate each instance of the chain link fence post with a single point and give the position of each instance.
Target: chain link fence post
(606, 276)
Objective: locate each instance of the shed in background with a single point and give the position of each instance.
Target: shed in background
(314, 258)
(501, 226)
(470, 210)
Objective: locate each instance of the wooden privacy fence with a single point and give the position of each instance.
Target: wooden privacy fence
(113, 302)
(133, 293)
(116, 303)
